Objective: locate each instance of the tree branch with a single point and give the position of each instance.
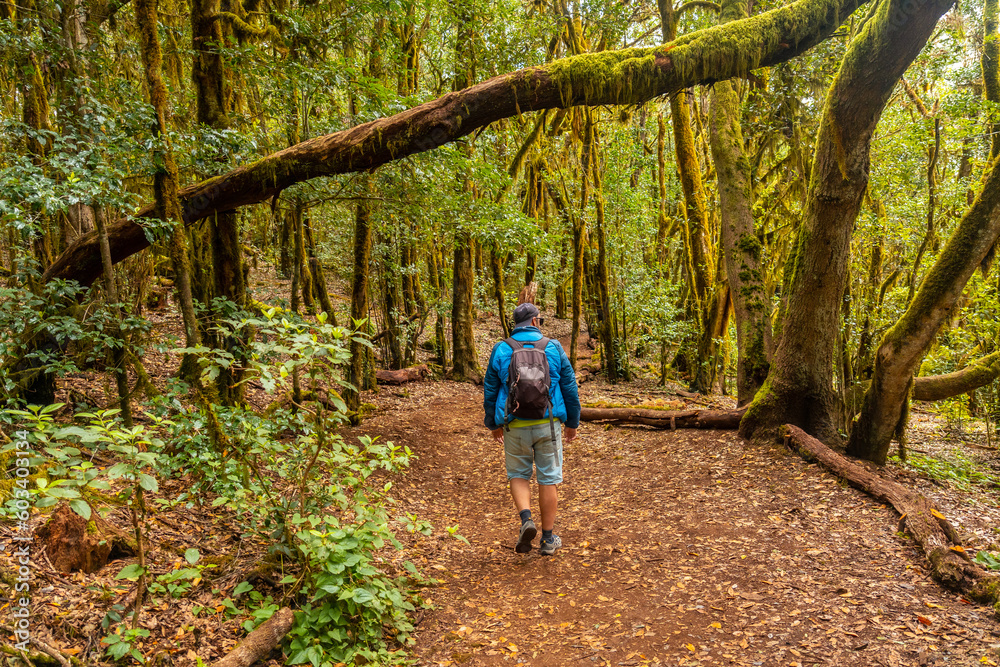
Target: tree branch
(629, 76)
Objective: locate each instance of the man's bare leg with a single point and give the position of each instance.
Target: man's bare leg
(520, 491)
(548, 501)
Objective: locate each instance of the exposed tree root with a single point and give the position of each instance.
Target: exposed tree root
(951, 566)
(672, 419)
(261, 641)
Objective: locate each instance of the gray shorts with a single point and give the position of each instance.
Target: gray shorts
(532, 446)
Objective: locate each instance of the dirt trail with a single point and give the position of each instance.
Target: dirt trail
(680, 548)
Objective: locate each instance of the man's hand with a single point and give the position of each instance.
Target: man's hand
(498, 435)
(570, 435)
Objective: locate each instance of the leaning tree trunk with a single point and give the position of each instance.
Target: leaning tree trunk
(907, 341)
(741, 248)
(799, 387)
(629, 76)
(978, 374)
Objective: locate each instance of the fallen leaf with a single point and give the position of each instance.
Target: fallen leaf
(716, 625)
(924, 620)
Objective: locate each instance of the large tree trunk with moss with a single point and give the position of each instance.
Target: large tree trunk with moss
(799, 387)
(359, 299)
(741, 249)
(904, 345)
(629, 76)
(991, 68)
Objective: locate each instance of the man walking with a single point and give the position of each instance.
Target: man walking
(530, 386)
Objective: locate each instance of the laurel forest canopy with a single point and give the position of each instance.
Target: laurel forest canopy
(796, 205)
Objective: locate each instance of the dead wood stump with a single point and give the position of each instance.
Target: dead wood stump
(75, 544)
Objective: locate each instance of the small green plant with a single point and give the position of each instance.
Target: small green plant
(453, 531)
(955, 467)
(124, 642)
(413, 524)
(988, 560)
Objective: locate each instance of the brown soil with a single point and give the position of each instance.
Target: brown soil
(680, 548)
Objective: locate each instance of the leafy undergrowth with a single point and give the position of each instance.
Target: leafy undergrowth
(222, 516)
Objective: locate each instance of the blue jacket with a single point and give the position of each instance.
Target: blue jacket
(562, 391)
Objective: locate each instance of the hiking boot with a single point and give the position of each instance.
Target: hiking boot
(528, 532)
(548, 547)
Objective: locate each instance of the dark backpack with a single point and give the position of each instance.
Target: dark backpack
(528, 382)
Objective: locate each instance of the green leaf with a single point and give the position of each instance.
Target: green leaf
(148, 483)
(191, 556)
(62, 492)
(132, 572)
(362, 596)
(81, 507)
(243, 587)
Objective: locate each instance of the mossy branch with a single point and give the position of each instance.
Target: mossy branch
(625, 77)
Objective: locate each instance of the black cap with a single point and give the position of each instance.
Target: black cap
(524, 313)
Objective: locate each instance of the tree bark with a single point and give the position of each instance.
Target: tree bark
(940, 542)
(629, 76)
(359, 298)
(904, 345)
(741, 249)
(261, 641)
(939, 387)
(465, 363)
(402, 376)
(167, 205)
(991, 68)
(799, 387)
(709, 419)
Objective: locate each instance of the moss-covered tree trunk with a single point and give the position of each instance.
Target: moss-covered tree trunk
(626, 77)
(465, 364)
(799, 387)
(904, 345)
(167, 204)
(359, 298)
(741, 248)
(614, 366)
(208, 75)
(435, 271)
(991, 69)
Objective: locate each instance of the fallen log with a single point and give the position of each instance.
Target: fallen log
(261, 641)
(402, 376)
(672, 419)
(950, 564)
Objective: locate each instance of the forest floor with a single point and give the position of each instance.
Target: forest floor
(679, 548)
